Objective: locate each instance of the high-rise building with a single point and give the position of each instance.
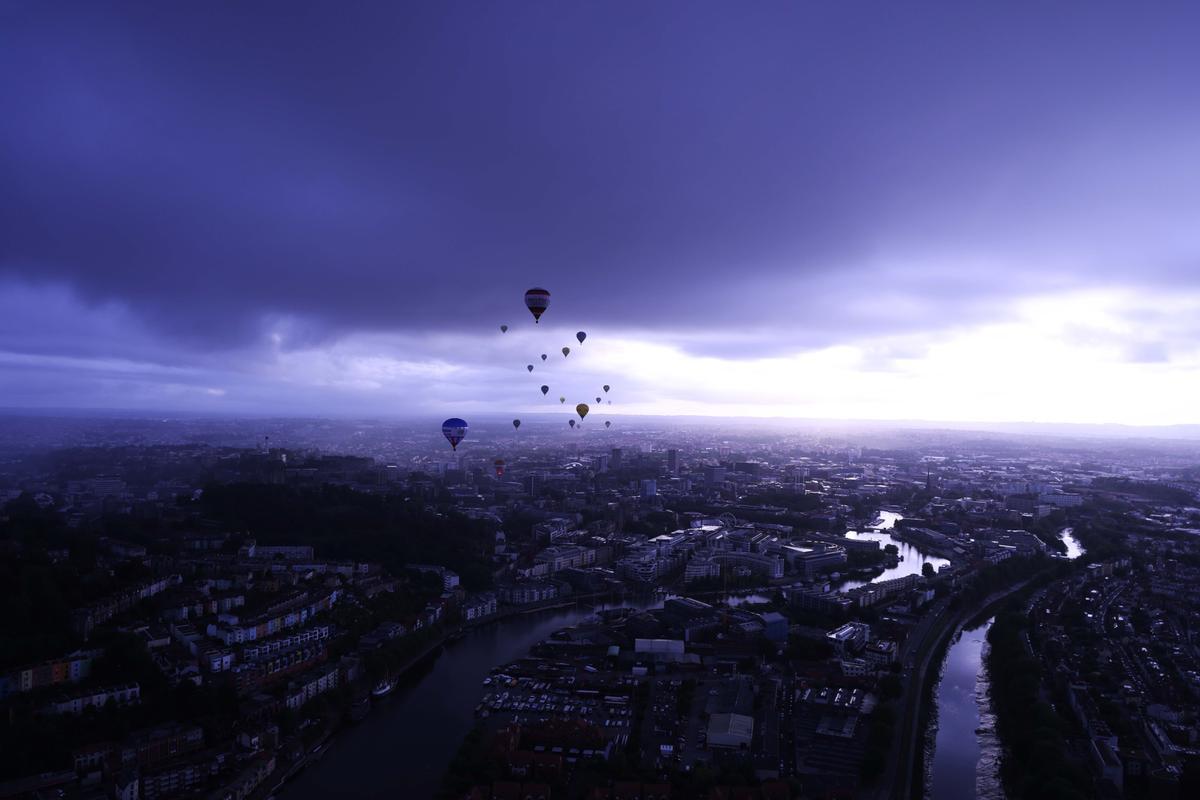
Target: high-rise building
(614, 458)
(673, 461)
(649, 488)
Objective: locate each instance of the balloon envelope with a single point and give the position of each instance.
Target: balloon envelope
(581, 336)
(516, 423)
(545, 389)
(606, 388)
(597, 399)
(562, 399)
(582, 410)
(529, 367)
(537, 301)
(543, 356)
(455, 430)
(566, 352)
(608, 423)
(571, 422)
(504, 329)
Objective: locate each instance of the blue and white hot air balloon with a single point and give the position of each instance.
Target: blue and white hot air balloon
(455, 430)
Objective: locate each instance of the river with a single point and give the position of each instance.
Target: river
(403, 746)
(1074, 548)
(965, 751)
(912, 557)
(962, 759)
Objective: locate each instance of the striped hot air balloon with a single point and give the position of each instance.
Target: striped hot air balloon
(537, 301)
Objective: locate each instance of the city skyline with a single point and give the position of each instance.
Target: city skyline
(942, 214)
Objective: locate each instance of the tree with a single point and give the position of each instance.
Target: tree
(927, 569)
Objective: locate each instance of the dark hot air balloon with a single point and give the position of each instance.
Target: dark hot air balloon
(566, 352)
(571, 422)
(608, 423)
(597, 399)
(516, 423)
(537, 301)
(562, 399)
(545, 389)
(529, 367)
(606, 388)
(543, 356)
(455, 430)
(581, 336)
(504, 329)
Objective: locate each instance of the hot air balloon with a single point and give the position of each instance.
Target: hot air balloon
(516, 423)
(537, 301)
(597, 399)
(545, 389)
(606, 388)
(499, 464)
(562, 399)
(571, 422)
(608, 423)
(566, 352)
(455, 430)
(582, 410)
(529, 367)
(581, 336)
(504, 329)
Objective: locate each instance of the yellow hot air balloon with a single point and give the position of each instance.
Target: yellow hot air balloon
(582, 410)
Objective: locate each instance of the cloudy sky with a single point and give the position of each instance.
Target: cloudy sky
(955, 211)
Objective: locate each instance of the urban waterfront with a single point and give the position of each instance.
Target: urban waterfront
(432, 708)
(962, 749)
(911, 557)
(402, 748)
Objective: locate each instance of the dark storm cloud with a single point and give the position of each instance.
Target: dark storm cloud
(796, 173)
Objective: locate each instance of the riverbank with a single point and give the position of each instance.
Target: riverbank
(409, 738)
(1036, 755)
(916, 707)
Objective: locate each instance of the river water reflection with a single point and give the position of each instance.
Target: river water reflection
(1074, 548)
(912, 557)
(965, 752)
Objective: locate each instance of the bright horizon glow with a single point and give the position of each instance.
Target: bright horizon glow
(1092, 357)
